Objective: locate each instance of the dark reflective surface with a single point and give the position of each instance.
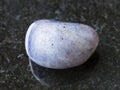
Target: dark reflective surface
(52, 77)
(101, 72)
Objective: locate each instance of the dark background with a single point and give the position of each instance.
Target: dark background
(101, 72)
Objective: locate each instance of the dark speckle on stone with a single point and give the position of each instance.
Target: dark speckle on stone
(90, 49)
(62, 38)
(63, 26)
(52, 44)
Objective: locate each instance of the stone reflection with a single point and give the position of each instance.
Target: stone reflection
(50, 77)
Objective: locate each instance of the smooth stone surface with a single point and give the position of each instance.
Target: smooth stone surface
(60, 45)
